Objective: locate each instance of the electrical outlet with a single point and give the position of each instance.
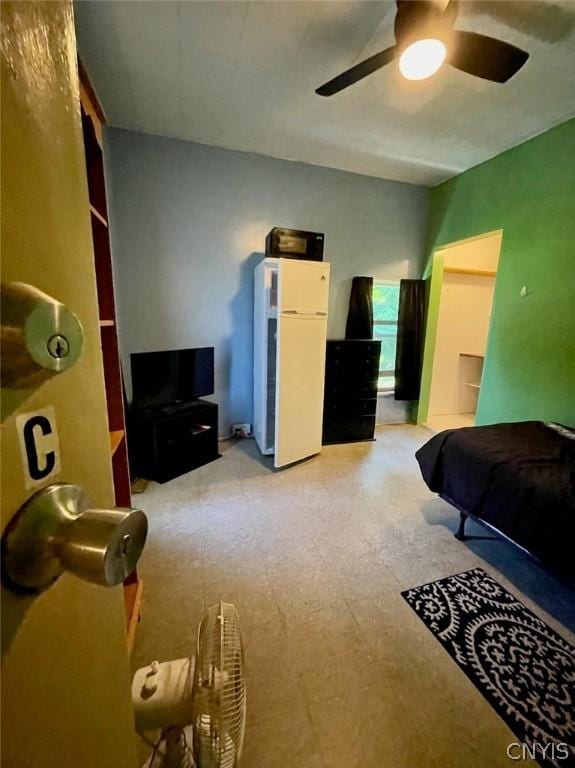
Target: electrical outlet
(241, 430)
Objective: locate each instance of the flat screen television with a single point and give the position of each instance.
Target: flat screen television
(170, 377)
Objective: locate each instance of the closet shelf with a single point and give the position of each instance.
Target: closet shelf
(95, 212)
(116, 438)
(469, 271)
(471, 354)
(133, 603)
(472, 384)
(107, 323)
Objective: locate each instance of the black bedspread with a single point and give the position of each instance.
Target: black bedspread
(518, 477)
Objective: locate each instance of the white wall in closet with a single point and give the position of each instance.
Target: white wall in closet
(462, 328)
(478, 253)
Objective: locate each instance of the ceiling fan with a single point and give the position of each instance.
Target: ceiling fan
(425, 39)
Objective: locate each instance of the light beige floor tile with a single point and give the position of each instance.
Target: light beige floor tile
(304, 595)
(286, 741)
(364, 731)
(273, 681)
(363, 575)
(329, 633)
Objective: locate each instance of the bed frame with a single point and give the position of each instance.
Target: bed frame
(461, 536)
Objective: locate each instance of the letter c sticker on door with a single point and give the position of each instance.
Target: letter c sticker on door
(39, 446)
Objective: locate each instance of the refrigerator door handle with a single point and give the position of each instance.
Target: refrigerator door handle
(303, 313)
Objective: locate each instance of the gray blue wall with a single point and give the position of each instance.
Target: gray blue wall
(189, 223)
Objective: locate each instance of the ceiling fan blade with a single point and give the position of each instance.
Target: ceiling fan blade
(486, 57)
(361, 70)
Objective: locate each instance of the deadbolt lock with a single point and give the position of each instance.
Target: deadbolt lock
(40, 336)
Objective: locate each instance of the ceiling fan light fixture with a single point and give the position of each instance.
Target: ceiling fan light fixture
(422, 58)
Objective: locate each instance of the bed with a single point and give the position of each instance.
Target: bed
(516, 479)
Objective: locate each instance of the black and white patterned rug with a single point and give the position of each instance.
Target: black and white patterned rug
(524, 669)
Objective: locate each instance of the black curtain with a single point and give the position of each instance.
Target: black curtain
(410, 339)
(360, 313)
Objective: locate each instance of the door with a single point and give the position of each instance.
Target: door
(299, 387)
(303, 286)
(66, 677)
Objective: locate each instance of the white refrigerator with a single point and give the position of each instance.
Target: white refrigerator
(290, 331)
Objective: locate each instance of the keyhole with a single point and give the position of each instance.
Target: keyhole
(58, 346)
(125, 545)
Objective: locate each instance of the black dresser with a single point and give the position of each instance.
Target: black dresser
(350, 396)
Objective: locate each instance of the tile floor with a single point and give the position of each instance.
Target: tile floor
(450, 421)
(341, 673)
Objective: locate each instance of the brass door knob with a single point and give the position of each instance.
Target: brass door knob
(57, 531)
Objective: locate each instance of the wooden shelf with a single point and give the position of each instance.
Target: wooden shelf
(463, 271)
(133, 604)
(98, 215)
(91, 104)
(116, 438)
(471, 354)
(472, 384)
(93, 120)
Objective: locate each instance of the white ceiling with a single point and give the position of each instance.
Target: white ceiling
(242, 75)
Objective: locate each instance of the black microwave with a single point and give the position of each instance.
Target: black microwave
(295, 244)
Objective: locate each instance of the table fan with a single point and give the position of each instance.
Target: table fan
(203, 695)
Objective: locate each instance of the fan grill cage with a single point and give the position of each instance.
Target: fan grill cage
(220, 694)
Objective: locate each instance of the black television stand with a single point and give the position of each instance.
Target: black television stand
(175, 408)
(169, 441)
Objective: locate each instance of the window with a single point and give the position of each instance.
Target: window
(385, 310)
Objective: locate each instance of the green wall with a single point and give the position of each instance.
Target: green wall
(529, 193)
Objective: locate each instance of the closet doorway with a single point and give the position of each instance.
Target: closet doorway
(468, 271)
